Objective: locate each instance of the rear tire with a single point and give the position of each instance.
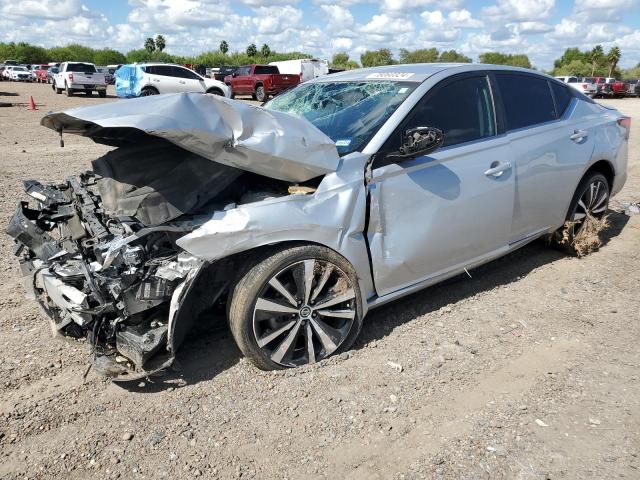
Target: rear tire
(68, 91)
(301, 330)
(591, 198)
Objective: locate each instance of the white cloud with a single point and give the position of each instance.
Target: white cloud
(519, 10)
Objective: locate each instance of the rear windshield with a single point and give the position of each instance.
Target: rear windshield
(81, 67)
(266, 70)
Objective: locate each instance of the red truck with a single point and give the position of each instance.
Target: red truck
(259, 81)
(40, 72)
(611, 87)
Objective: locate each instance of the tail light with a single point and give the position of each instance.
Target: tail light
(625, 122)
(585, 86)
(71, 77)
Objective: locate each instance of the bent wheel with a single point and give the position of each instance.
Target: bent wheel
(296, 307)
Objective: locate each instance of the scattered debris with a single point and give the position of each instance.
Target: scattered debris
(631, 207)
(540, 423)
(396, 366)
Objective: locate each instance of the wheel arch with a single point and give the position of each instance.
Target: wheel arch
(605, 167)
(216, 279)
(215, 91)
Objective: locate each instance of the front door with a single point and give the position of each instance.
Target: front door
(452, 208)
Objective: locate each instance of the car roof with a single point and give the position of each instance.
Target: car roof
(414, 72)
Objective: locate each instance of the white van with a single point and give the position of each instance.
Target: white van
(306, 68)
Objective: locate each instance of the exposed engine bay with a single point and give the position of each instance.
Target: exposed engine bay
(100, 249)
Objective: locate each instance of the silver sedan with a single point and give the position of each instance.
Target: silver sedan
(295, 219)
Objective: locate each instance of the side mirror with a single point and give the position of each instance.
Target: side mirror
(419, 141)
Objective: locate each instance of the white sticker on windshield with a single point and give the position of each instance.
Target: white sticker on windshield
(345, 142)
(403, 90)
(391, 75)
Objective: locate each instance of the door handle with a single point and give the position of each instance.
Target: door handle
(181, 81)
(497, 169)
(578, 135)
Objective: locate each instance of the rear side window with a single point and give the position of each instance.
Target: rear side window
(527, 100)
(563, 97)
(266, 70)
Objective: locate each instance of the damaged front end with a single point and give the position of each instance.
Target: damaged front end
(113, 282)
(100, 251)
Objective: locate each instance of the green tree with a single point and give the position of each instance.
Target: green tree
(425, 55)
(340, 59)
(571, 55)
(108, 56)
(224, 47)
(252, 50)
(578, 68)
(265, 51)
(613, 57)
(161, 43)
(451, 56)
(149, 45)
(497, 58)
(374, 58)
(596, 56)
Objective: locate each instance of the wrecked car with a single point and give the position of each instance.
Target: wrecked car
(295, 219)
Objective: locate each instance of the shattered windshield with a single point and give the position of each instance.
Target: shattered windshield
(349, 113)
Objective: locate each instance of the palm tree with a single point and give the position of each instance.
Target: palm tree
(613, 57)
(596, 56)
(160, 42)
(252, 50)
(224, 47)
(265, 51)
(150, 45)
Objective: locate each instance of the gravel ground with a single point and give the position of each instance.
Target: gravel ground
(528, 370)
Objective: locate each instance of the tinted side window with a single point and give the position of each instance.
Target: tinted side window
(563, 97)
(527, 100)
(266, 69)
(462, 109)
(164, 70)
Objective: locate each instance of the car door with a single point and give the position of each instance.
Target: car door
(549, 149)
(448, 210)
(242, 81)
(162, 78)
(188, 80)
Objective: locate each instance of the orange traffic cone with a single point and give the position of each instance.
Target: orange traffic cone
(32, 104)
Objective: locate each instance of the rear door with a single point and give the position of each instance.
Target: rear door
(444, 211)
(549, 147)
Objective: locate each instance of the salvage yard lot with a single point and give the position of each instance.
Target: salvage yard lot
(528, 370)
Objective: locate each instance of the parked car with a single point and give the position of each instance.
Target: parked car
(40, 71)
(12, 63)
(340, 195)
(20, 74)
(51, 72)
(223, 72)
(108, 74)
(305, 68)
(611, 87)
(83, 77)
(260, 81)
(144, 79)
(633, 89)
(588, 88)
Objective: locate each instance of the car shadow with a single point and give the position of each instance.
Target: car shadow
(209, 348)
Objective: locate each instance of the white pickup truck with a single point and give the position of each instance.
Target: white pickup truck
(79, 77)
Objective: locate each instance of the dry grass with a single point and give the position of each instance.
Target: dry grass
(588, 238)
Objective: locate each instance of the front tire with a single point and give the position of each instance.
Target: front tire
(149, 91)
(296, 307)
(261, 94)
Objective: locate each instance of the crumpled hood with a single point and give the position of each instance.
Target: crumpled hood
(270, 143)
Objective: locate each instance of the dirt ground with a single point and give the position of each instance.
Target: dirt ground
(528, 370)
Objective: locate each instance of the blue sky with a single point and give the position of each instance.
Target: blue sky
(540, 28)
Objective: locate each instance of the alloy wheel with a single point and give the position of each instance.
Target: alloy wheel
(592, 202)
(304, 312)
